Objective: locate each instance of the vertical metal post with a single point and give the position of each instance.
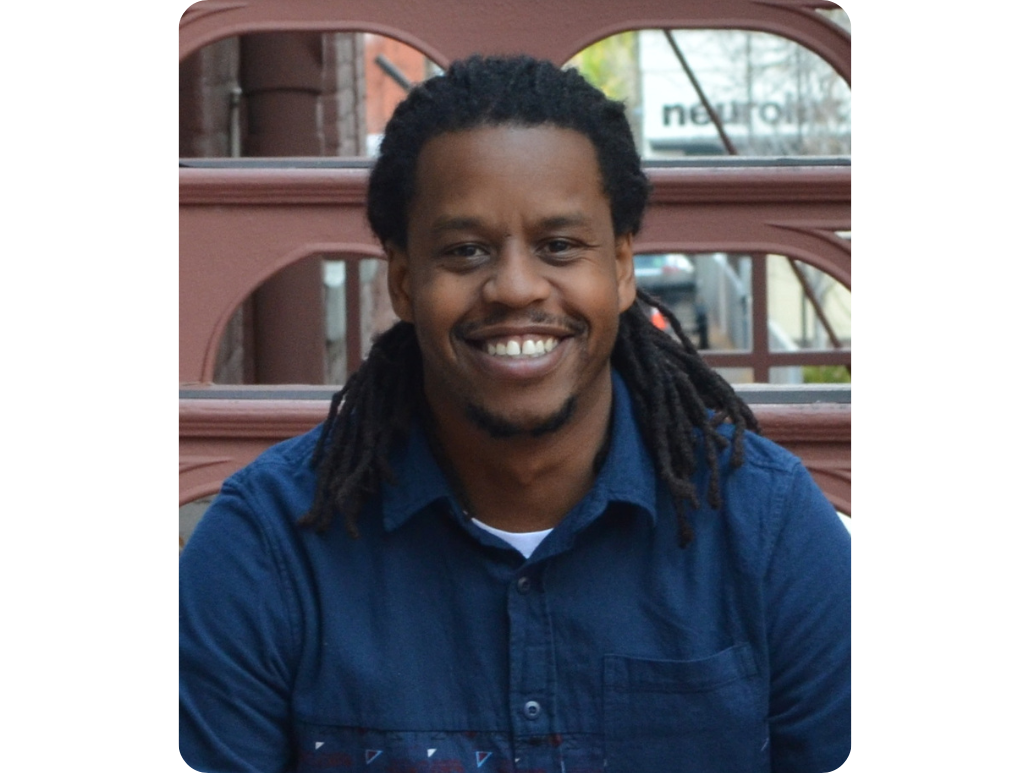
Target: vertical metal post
(352, 289)
(281, 78)
(760, 317)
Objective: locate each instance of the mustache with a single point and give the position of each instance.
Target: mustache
(532, 316)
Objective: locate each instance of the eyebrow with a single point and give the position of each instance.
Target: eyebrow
(459, 223)
(446, 223)
(573, 220)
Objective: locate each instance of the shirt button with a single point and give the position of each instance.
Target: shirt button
(524, 585)
(531, 709)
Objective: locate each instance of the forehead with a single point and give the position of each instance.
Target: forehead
(530, 168)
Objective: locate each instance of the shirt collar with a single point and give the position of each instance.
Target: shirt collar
(627, 474)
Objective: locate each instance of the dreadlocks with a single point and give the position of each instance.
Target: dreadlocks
(678, 400)
(673, 393)
(351, 455)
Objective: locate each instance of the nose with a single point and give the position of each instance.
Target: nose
(517, 280)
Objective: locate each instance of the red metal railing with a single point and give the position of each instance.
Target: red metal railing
(239, 226)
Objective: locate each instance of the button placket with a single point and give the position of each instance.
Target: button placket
(532, 657)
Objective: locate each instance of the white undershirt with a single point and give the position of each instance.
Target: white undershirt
(523, 541)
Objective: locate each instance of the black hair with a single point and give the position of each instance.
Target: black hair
(498, 91)
(678, 400)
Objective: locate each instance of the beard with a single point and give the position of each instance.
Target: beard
(499, 427)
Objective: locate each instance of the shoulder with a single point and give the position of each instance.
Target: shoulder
(259, 505)
(282, 474)
(766, 475)
(772, 503)
(288, 454)
(248, 538)
(760, 452)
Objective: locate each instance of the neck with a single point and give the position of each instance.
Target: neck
(525, 483)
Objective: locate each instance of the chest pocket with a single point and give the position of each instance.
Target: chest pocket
(684, 715)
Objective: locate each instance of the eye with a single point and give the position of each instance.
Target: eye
(465, 251)
(558, 247)
(464, 256)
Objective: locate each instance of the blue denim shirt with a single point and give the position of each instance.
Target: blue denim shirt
(430, 645)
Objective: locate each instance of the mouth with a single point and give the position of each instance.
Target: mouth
(534, 337)
(518, 347)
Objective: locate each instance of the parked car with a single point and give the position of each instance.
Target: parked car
(671, 272)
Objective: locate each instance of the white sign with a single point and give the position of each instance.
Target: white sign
(768, 93)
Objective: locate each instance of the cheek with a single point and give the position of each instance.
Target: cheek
(439, 304)
(596, 296)
(606, 306)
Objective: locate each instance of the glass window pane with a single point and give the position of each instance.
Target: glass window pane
(737, 375)
(772, 96)
(818, 319)
(337, 105)
(810, 374)
(709, 293)
(376, 312)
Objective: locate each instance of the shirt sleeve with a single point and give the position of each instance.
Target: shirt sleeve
(808, 593)
(235, 645)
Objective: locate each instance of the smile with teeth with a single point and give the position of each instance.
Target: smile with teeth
(529, 347)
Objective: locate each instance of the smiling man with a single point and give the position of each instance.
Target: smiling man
(535, 533)
(514, 280)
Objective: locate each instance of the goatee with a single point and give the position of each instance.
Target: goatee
(498, 427)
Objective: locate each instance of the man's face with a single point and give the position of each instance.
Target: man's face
(513, 277)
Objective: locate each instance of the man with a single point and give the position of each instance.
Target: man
(535, 532)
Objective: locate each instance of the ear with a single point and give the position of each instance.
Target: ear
(627, 280)
(398, 280)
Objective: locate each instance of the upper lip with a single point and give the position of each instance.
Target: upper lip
(512, 331)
